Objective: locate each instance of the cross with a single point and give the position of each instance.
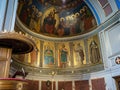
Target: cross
(117, 60)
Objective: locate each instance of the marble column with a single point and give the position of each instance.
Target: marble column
(3, 8)
(10, 15)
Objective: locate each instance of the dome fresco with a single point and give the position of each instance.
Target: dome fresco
(56, 18)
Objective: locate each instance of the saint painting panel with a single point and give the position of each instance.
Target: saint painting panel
(79, 53)
(48, 54)
(94, 50)
(63, 55)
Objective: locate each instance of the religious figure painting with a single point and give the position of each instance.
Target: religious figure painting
(94, 50)
(42, 17)
(48, 55)
(63, 55)
(49, 21)
(79, 54)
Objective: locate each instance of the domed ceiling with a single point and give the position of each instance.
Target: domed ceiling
(56, 18)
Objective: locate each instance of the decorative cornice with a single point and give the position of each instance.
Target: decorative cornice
(59, 71)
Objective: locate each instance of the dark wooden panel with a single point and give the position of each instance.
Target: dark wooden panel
(82, 85)
(67, 85)
(33, 84)
(98, 84)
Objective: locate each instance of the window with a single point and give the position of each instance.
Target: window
(106, 6)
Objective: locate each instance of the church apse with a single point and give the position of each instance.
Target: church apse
(44, 18)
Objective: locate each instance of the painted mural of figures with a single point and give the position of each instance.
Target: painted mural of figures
(79, 53)
(38, 20)
(41, 1)
(49, 22)
(61, 26)
(33, 18)
(33, 22)
(20, 5)
(88, 19)
(77, 24)
(72, 25)
(24, 14)
(24, 10)
(82, 20)
(94, 53)
(48, 56)
(63, 55)
(67, 26)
